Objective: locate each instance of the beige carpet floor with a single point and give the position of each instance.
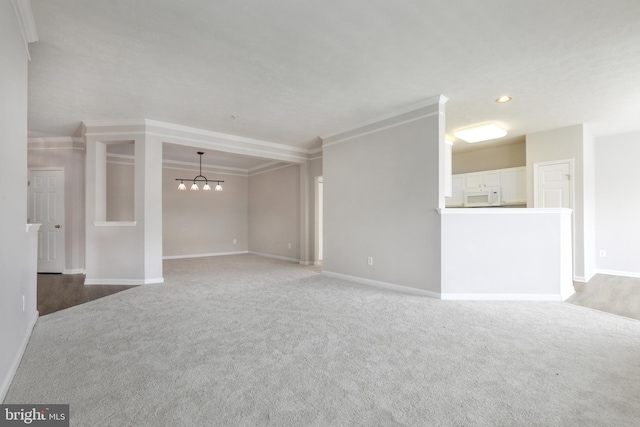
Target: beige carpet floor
(249, 341)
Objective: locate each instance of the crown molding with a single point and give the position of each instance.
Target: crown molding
(270, 168)
(24, 15)
(56, 143)
(185, 135)
(127, 159)
(433, 100)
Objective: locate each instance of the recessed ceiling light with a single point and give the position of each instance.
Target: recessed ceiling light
(503, 98)
(479, 133)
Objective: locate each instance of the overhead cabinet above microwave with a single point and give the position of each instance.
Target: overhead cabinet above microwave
(512, 183)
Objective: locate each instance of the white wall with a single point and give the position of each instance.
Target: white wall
(15, 263)
(67, 154)
(571, 142)
(618, 204)
(382, 189)
(483, 159)
(274, 213)
(204, 222)
(120, 191)
(506, 254)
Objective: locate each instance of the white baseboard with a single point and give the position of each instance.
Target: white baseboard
(282, 258)
(502, 297)
(307, 263)
(204, 255)
(619, 273)
(74, 271)
(123, 281)
(6, 381)
(583, 279)
(385, 285)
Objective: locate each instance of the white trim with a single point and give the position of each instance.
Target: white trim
(213, 134)
(204, 255)
(74, 271)
(205, 167)
(284, 155)
(6, 382)
(378, 129)
(502, 297)
(273, 169)
(55, 140)
(183, 132)
(384, 285)
(187, 165)
(583, 279)
(498, 211)
(206, 171)
(266, 165)
(54, 148)
(117, 282)
(622, 273)
(434, 100)
(24, 15)
(306, 263)
(114, 223)
(35, 226)
(282, 258)
(114, 162)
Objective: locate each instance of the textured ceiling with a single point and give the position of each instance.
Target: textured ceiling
(295, 70)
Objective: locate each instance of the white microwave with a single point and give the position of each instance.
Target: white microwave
(486, 196)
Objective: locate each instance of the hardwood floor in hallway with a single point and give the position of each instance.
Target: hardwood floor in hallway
(59, 291)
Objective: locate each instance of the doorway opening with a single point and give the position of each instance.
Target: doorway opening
(319, 220)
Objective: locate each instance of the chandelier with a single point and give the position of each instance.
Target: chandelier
(200, 177)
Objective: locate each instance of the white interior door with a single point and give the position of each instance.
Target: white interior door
(46, 207)
(553, 185)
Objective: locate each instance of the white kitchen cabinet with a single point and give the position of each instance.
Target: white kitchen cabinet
(457, 192)
(483, 179)
(514, 186)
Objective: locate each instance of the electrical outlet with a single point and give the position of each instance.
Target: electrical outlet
(289, 245)
(235, 241)
(603, 253)
(370, 260)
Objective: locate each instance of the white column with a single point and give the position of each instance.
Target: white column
(148, 203)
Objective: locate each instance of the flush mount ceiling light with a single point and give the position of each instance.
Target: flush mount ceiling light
(503, 99)
(200, 177)
(479, 133)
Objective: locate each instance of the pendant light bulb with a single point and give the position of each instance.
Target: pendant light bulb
(182, 186)
(194, 187)
(218, 187)
(206, 186)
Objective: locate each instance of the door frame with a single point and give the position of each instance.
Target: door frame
(572, 171)
(63, 253)
(572, 201)
(319, 220)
